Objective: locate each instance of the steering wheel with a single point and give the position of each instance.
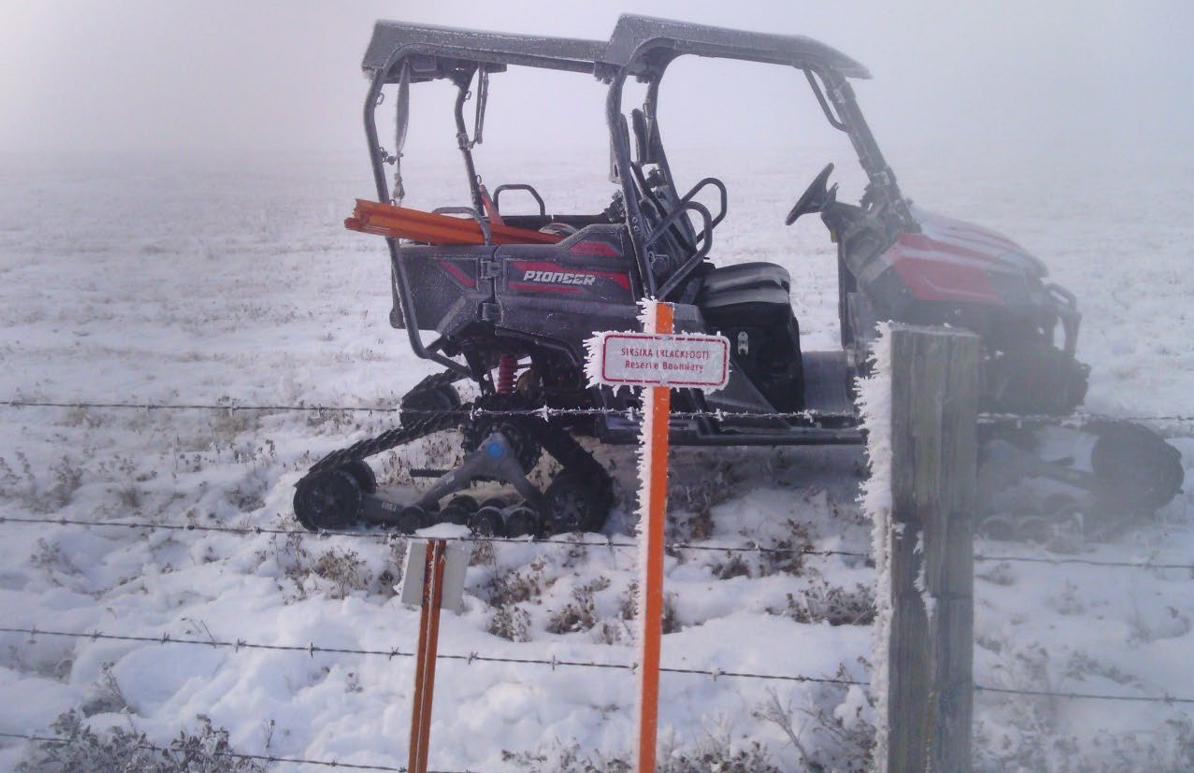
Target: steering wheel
(815, 197)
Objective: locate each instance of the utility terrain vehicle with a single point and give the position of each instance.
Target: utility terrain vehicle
(508, 301)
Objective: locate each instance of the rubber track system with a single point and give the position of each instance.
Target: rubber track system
(406, 433)
(392, 438)
(551, 435)
(558, 442)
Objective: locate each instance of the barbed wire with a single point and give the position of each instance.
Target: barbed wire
(586, 543)
(1082, 561)
(466, 410)
(313, 649)
(1079, 418)
(476, 538)
(1075, 419)
(1082, 696)
(300, 408)
(267, 758)
(985, 418)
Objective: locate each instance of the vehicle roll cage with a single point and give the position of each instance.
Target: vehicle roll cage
(641, 47)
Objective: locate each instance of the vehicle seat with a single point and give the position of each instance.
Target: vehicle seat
(749, 304)
(745, 276)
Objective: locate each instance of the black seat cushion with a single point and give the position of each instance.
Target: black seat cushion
(743, 276)
(748, 293)
(766, 305)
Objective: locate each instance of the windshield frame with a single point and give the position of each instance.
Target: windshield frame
(834, 94)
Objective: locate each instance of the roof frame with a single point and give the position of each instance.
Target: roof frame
(637, 45)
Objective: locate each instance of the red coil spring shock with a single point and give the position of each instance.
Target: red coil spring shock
(507, 365)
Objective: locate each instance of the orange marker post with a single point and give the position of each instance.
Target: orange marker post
(655, 447)
(433, 587)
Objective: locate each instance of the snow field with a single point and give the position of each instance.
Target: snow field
(192, 280)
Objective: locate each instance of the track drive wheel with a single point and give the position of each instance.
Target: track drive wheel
(363, 474)
(577, 504)
(1136, 468)
(332, 499)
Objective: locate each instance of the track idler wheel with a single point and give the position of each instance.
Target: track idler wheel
(333, 499)
(487, 522)
(412, 518)
(522, 521)
(458, 510)
(577, 504)
(1136, 468)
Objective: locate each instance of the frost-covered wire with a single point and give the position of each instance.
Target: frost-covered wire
(84, 405)
(312, 649)
(586, 543)
(1082, 562)
(1078, 419)
(471, 411)
(266, 758)
(471, 539)
(1084, 696)
(987, 418)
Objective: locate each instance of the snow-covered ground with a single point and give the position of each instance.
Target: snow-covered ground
(192, 280)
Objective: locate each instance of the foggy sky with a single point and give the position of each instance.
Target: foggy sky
(202, 75)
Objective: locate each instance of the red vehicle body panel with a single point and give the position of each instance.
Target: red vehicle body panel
(951, 260)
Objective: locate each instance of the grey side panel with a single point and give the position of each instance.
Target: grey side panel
(446, 284)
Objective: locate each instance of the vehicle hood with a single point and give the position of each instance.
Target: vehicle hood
(952, 238)
(952, 260)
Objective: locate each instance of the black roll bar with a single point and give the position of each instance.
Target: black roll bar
(462, 138)
(685, 270)
(724, 196)
(399, 282)
(619, 134)
(834, 121)
(841, 95)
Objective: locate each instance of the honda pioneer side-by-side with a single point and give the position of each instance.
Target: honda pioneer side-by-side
(508, 301)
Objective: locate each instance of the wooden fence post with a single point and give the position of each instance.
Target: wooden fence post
(934, 404)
